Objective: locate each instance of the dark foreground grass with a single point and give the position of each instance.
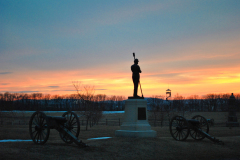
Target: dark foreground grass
(162, 147)
(124, 148)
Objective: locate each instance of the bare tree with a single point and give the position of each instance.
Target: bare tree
(86, 100)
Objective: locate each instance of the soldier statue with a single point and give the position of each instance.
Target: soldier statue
(135, 76)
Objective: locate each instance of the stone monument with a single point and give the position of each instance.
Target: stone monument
(135, 123)
(232, 117)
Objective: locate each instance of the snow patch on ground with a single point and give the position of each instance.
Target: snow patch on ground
(104, 112)
(14, 140)
(98, 138)
(112, 112)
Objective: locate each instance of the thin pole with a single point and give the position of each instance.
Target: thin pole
(141, 88)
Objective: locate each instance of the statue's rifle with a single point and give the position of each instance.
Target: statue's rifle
(139, 79)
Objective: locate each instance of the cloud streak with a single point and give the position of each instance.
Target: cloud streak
(4, 84)
(6, 73)
(53, 86)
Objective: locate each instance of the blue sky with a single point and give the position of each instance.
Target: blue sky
(181, 43)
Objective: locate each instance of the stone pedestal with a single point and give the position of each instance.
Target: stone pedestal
(135, 122)
(232, 119)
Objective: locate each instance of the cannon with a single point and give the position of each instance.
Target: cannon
(197, 127)
(68, 127)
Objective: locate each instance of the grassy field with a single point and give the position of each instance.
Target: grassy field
(162, 147)
(219, 117)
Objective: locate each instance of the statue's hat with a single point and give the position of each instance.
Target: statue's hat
(136, 60)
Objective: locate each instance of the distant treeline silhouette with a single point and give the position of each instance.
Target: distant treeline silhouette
(209, 102)
(47, 102)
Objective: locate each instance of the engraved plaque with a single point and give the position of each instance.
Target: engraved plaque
(142, 113)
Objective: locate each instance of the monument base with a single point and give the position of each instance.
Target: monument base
(232, 120)
(135, 122)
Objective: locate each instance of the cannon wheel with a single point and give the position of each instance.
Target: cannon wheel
(72, 124)
(179, 128)
(38, 128)
(203, 125)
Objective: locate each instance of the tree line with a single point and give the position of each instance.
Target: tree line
(92, 105)
(47, 102)
(209, 102)
(164, 109)
(80, 101)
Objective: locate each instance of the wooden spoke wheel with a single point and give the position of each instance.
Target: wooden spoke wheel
(72, 124)
(38, 128)
(203, 126)
(179, 128)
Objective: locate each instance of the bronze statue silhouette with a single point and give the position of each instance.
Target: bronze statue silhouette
(136, 76)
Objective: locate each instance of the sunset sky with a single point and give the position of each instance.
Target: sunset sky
(190, 46)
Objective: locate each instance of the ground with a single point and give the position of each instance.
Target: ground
(162, 147)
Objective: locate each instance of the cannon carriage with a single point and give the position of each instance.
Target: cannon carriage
(197, 127)
(68, 127)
